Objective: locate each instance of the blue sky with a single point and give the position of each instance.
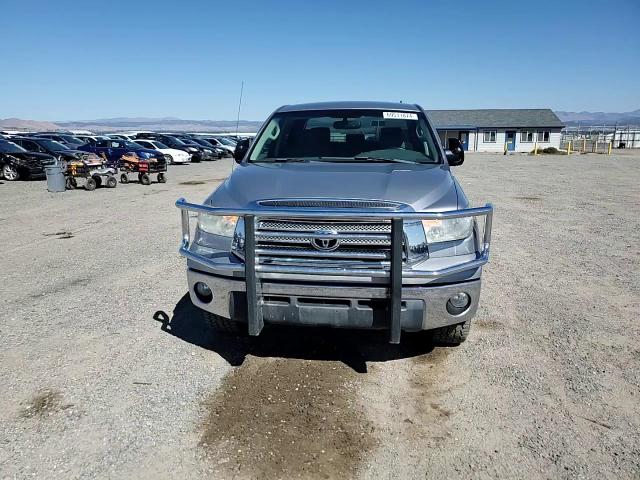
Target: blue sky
(66, 60)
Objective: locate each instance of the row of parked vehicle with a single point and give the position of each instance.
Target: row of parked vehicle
(26, 155)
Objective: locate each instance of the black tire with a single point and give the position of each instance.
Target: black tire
(221, 324)
(145, 179)
(452, 335)
(124, 178)
(98, 180)
(162, 178)
(112, 182)
(90, 184)
(68, 183)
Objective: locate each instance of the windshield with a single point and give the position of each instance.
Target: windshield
(73, 140)
(132, 145)
(159, 145)
(347, 135)
(226, 141)
(202, 142)
(174, 142)
(52, 145)
(10, 147)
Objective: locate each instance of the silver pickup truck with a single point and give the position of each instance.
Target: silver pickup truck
(341, 214)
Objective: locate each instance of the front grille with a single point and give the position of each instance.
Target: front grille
(312, 203)
(364, 244)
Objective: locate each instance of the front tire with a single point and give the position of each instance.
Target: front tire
(162, 178)
(169, 160)
(220, 324)
(10, 172)
(452, 335)
(112, 182)
(90, 184)
(145, 179)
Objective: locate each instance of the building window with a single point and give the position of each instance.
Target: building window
(543, 137)
(526, 136)
(490, 136)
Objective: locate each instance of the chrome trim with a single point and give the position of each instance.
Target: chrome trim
(339, 214)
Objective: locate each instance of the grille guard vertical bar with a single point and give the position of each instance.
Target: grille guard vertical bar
(254, 311)
(397, 236)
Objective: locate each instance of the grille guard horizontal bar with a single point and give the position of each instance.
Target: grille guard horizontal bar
(335, 214)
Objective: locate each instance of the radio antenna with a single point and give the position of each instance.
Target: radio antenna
(233, 164)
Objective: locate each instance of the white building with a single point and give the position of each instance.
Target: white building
(491, 130)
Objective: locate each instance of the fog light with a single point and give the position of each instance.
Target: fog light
(203, 292)
(458, 303)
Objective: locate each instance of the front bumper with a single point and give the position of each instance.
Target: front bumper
(349, 306)
(282, 300)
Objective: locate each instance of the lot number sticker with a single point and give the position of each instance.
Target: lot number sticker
(400, 115)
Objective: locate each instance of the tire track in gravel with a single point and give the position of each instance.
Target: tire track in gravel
(287, 418)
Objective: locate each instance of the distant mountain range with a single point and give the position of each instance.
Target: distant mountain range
(599, 118)
(172, 124)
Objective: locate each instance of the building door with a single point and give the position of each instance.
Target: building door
(464, 140)
(510, 140)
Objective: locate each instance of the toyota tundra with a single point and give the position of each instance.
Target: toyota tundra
(342, 214)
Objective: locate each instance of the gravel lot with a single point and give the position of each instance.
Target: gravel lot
(107, 371)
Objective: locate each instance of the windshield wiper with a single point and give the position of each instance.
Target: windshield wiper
(382, 160)
(280, 160)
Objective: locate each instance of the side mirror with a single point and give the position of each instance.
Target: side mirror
(241, 150)
(454, 152)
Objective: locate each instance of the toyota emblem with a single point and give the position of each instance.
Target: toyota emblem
(325, 244)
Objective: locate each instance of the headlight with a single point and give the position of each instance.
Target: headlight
(208, 150)
(224, 233)
(217, 224)
(447, 230)
(192, 149)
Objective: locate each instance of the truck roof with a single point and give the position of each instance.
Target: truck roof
(404, 107)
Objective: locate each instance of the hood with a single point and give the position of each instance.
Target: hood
(418, 186)
(33, 158)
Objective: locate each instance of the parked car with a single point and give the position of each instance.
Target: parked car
(226, 145)
(208, 152)
(341, 214)
(173, 142)
(113, 150)
(219, 152)
(90, 138)
(68, 140)
(173, 155)
(17, 163)
(51, 147)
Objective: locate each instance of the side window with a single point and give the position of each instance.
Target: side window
(543, 136)
(489, 136)
(101, 144)
(526, 136)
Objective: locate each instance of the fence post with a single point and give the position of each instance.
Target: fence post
(584, 145)
(569, 147)
(609, 149)
(505, 148)
(535, 149)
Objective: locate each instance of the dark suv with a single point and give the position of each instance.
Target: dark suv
(51, 147)
(17, 163)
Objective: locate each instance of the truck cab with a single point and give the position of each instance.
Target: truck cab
(342, 214)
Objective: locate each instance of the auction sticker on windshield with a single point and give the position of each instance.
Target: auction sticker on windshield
(400, 115)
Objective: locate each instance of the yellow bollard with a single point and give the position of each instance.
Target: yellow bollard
(584, 145)
(535, 149)
(505, 148)
(609, 150)
(569, 148)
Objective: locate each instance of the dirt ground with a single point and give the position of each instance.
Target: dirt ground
(107, 370)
